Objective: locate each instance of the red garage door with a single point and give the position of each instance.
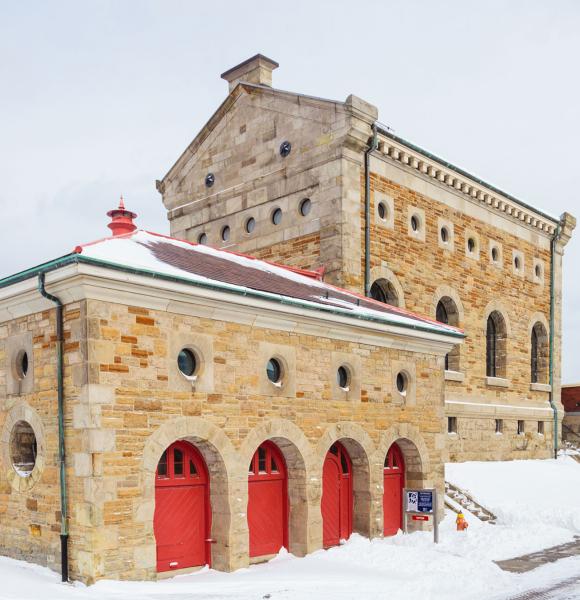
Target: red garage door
(336, 504)
(182, 510)
(267, 501)
(394, 482)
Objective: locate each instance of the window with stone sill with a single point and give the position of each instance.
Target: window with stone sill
(447, 312)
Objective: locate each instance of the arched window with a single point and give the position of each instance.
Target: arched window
(539, 354)
(384, 291)
(495, 345)
(446, 312)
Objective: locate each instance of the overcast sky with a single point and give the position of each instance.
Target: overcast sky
(99, 98)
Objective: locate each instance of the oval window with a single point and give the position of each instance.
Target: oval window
(277, 216)
(342, 377)
(250, 225)
(401, 383)
(444, 235)
(415, 223)
(274, 370)
(186, 362)
(382, 209)
(226, 233)
(22, 364)
(202, 239)
(305, 206)
(23, 448)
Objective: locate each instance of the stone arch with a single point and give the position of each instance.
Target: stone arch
(298, 456)
(448, 299)
(220, 458)
(22, 411)
(361, 450)
(539, 343)
(415, 455)
(383, 276)
(446, 291)
(500, 307)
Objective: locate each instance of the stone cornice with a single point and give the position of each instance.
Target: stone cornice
(473, 190)
(77, 282)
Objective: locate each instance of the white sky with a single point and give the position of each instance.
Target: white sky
(99, 98)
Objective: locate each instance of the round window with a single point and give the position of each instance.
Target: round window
(23, 448)
(382, 210)
(22, 364)
(342, 377)
(274, 370)
(517, 263)
(277, 216)
(209, 180)
(285, 149)
(202, 239)
(495, 254)
(305, 206)
(415, 223)
(226, 233)
(250, 225)
(186, 362)
(471, 245)
(444, 235)
(401, 382)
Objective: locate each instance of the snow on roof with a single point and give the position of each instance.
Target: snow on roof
(196, 263)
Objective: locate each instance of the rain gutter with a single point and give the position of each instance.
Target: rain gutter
(61, 448)
(373, 142)
(552, 321)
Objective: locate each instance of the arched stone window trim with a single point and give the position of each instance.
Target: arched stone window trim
(538, 334)
(447, 308)
(383, 277)
(496, 331)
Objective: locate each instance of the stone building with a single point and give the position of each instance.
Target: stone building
(167, 405)
(321, 184)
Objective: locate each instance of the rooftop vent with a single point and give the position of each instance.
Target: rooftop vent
(121, 219)
(257, 69)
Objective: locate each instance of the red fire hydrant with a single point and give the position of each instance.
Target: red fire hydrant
(461, 523)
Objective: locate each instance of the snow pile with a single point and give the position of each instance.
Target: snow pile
(535, 502)
(539, 496)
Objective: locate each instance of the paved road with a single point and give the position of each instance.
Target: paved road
(569, 589)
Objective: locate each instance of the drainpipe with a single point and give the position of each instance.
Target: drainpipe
(372, 147)
(61, 452)
(552, 319)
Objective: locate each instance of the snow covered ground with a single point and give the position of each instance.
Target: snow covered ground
(536, 504)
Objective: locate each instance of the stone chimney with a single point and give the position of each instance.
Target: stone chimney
(121, 220)
(257, 69)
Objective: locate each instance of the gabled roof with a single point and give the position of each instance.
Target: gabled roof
(160, 256)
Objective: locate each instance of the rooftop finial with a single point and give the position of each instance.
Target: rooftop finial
(121, 219)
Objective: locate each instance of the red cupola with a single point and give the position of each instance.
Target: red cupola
(121, 219)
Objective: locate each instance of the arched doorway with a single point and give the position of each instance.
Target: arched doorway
(337, 497)
(393, 483)
(182, 520)
(267, 501)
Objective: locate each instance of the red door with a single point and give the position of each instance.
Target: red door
(182, 509)
(394, 482)
(336, 504)
(267, 501)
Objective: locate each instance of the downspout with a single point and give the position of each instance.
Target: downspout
(372, 147)
(552, 320)
(61, 451)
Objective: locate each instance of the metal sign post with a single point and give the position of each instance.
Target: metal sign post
(421, 504)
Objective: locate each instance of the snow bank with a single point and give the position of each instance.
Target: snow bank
(536, 495)
(461, 567)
